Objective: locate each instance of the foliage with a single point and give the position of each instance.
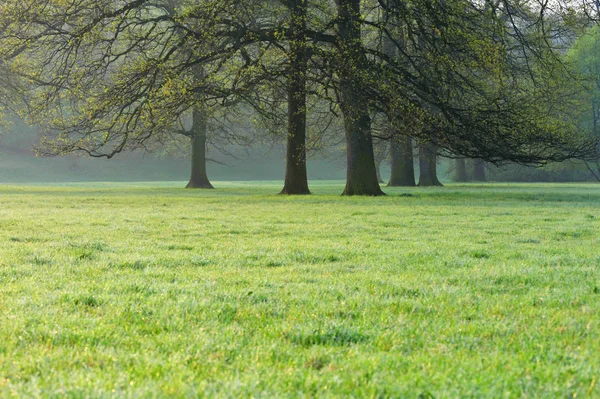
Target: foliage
(479, 78)
(583, 56)
(117, 75)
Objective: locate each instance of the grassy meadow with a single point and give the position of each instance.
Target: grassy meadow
(150, 290)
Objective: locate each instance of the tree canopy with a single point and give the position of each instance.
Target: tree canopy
(482, 79)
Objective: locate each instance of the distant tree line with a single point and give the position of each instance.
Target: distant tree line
(485, 80)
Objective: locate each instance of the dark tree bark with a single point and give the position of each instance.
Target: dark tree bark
(361, 174)
(296, 179)
(403, 167)
(461, 171)
(479, 170)
(199, 178)
(401, 151)
(428, 165)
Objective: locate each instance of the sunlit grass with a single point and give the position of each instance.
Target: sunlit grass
(149, 290)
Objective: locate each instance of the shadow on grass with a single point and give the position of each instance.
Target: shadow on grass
(331, 337)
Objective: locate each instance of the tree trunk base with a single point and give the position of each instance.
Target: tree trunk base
(403, 168)
(431, 184)
(401, 184)
(479, 171)
(350, 191)
(295, 191)
(428, 166)
(461, 171)
(200, 185)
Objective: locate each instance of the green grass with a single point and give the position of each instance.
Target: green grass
(150, 290)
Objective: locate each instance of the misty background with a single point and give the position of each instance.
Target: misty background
(20, 164)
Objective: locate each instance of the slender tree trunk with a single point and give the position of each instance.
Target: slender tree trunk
(461, 170)
(378, 170)
(401, 149)
(296, 179)
(403, 167)
(479, 170)
(199, 178)
(361, 174)
(428, 165)
(380, 150)
(595, 116)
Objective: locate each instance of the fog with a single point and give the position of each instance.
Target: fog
(19, 164)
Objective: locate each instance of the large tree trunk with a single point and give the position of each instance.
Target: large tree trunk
(296, 179)
(428, 165)
(403, 167)
(461, 170)
(199, 178)
(361, 174)
(479, 170)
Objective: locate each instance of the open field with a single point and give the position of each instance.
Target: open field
(150, 290)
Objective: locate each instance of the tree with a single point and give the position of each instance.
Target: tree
(461, 170)
(471, 78)
(585, 58)
(381, 151)
(428, 165)
(401, 146)
(479, 170)
(351, 66)
(160, 61)
(480, 77)
(115, 76)
(198, 176)
(296, 179)
(402, 165)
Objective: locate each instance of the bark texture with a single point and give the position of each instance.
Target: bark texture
(461, 171)
(403, 167)
(401, 149)
(296, 178)
(361, 174)
(428, 166)
(479, 170)
(199, 178)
